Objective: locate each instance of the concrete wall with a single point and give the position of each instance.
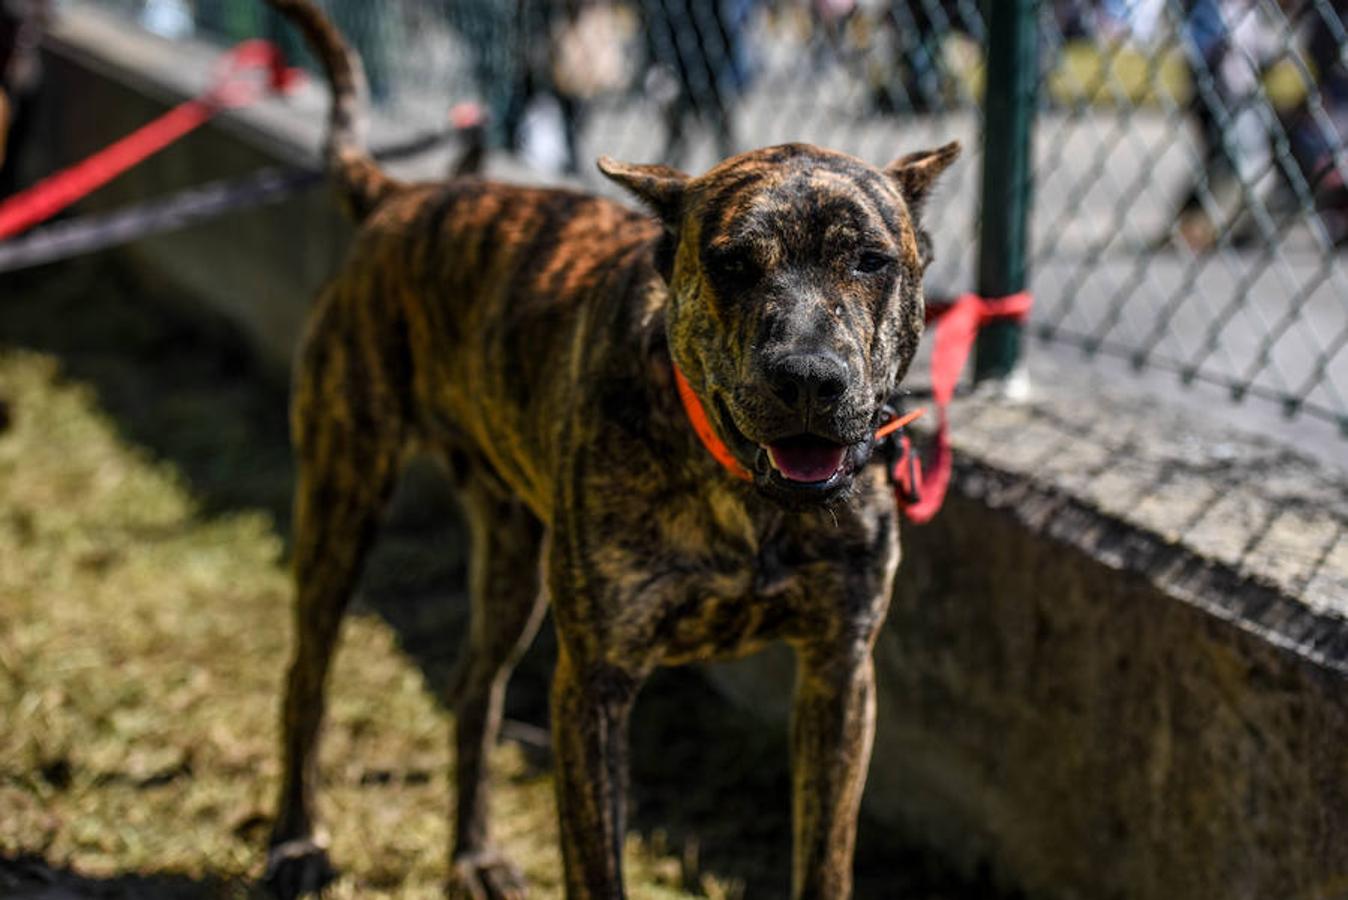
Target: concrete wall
(1115, 662)
(1086, 733)
(1097, 737)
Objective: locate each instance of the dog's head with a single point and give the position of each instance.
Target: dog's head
(795, 308)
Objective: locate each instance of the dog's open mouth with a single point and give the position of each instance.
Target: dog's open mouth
(806, 459)
(797, 469)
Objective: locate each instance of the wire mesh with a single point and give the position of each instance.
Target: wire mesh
(1190, 212)
(1189, 167)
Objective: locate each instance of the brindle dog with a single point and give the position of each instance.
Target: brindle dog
(531, 338)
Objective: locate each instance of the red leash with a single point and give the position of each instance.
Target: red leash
(232, 88)
(920, 494)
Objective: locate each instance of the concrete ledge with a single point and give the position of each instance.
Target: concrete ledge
(1115, 663)
(1240, 525)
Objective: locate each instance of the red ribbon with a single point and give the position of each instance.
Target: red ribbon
(231, 88)
(957, 326)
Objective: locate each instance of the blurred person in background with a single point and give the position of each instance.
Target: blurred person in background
(929, 83)
(1318, 126)
(1135, 20)
(909, 71)
(574, 51)
(492, 33)
(539, 120)
(21, 26)
(829, 20)
(1078, 19)
(537, 64)
(701, 50)
(1226, 43)
(914, 33)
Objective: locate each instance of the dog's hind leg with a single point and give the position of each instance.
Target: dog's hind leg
(507, 606)
(348, 441)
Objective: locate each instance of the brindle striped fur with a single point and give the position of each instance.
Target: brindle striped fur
(527, 336)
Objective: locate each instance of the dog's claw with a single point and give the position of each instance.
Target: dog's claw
(485, 875)
(296, 868)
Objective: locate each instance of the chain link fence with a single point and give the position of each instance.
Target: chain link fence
(1191, 211)
(1189, 204)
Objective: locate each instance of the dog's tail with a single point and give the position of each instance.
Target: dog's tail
(361, 182)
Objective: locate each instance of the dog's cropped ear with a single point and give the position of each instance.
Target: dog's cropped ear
(659, 187)
(916, 173)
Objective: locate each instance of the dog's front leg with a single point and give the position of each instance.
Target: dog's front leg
(590, 706)
(832, 726)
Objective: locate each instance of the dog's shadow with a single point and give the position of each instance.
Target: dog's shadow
(29, 877)
(708, 783)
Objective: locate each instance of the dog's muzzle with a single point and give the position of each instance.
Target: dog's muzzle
(797, 468)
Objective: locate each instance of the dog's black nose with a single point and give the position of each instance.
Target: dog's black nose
(808, 380)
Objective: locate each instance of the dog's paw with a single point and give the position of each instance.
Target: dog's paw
(485, 875)
(297, 868)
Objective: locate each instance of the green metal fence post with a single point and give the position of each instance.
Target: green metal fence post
(1009, 109)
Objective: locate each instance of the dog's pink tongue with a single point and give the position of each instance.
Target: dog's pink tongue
(806, 458)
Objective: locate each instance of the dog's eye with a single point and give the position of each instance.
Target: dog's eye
(735, 266)
(870, 262)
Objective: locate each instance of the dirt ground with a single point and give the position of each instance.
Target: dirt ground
(144, 483)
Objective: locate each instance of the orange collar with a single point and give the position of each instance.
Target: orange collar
(697, 416)
(705, 433)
